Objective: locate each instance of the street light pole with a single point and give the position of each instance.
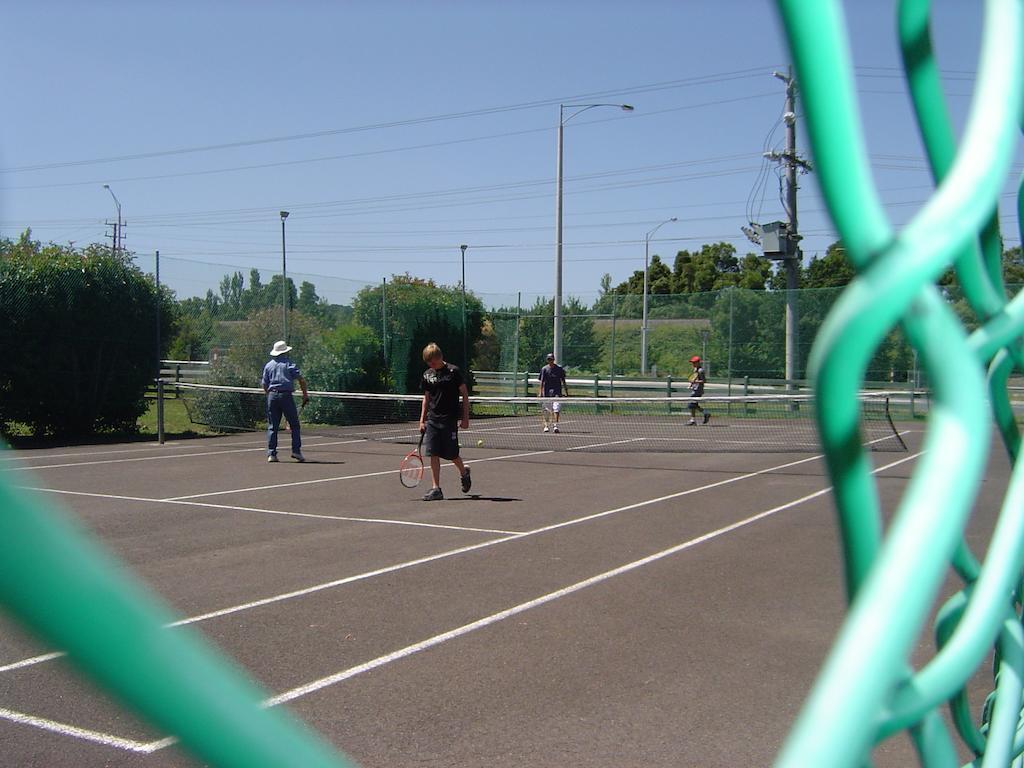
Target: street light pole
(465, 352)
(562, 120)
(643, 326)
(117, 227)
(284, 276)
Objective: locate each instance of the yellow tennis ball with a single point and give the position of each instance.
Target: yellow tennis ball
(479, 443)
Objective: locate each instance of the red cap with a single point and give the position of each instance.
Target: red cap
(695, 359)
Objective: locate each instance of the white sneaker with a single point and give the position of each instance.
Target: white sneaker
(272, 458)
(546, 428)
(298, 457)
(554, 428)
(691, 422)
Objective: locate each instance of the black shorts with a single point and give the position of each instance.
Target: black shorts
(441, 440)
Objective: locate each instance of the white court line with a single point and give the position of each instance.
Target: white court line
(378, 473)
(155, 458)
(327, 479)
(32, 661)
(443, 637)
(285, 513)
(436, 640)
(465, 629)
(439, 556)
(443, 555)
(21, 457)
(602, 445)
(96, 737)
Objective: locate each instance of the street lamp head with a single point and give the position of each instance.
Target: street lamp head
(673, 219)
(284, 215)
(626, 107)
(463, 247)
(106, 186)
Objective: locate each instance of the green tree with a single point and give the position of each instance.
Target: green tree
(714, 266)
(418, 312)
(253, 297)
(80, 327)
(231, 289)
(833, 270)
(1013, 266)
(755, 272)
(192, 341)
(347, 359)
(247, 345)
(581, 348)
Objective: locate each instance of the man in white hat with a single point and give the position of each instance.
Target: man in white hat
(279, 377)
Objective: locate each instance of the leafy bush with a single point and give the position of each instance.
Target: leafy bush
(78, 327)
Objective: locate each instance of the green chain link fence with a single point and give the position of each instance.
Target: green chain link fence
(892, 322)
(868, 690)
(367, 337)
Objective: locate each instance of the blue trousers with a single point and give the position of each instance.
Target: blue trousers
(282, 404)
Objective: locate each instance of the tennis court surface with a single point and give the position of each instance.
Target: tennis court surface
(576, 609)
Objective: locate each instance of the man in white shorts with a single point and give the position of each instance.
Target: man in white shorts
(552, 385)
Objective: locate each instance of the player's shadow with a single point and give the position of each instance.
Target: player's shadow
(478, 497)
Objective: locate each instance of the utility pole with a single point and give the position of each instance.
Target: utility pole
(284, 279)
(118, 239)
(782, 241)
(465, 348)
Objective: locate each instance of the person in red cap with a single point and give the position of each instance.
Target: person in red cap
(697, 379)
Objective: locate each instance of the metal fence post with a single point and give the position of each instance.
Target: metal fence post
(160, 410)
(611, 355)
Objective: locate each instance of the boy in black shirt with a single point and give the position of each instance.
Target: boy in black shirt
(441, 416)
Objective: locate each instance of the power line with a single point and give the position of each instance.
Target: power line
(373, 153)
(632, 90)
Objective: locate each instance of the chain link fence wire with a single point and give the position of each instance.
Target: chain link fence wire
(353, 336)
(868, 690)
(889, 322)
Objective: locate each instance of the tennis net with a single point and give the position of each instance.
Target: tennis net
(768, 423)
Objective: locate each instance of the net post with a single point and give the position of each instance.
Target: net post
(746, 393)
(160, 410)
(515, 349)
(913, 398)
(668, 392)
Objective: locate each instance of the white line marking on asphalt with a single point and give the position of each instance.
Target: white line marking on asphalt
(96, 737)
(439, 556)
(360, 476)
(283, 513)
(324, 682)
(165, 457)
(465, 629)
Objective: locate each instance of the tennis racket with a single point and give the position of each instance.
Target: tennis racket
(410, 471)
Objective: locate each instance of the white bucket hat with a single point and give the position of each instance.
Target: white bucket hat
(280, 347)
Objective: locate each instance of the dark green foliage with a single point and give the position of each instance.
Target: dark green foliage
(581, 347)
(418, 312)
(831, 271)
(78, 327)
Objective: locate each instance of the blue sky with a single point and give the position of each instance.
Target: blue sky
(395, 131)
